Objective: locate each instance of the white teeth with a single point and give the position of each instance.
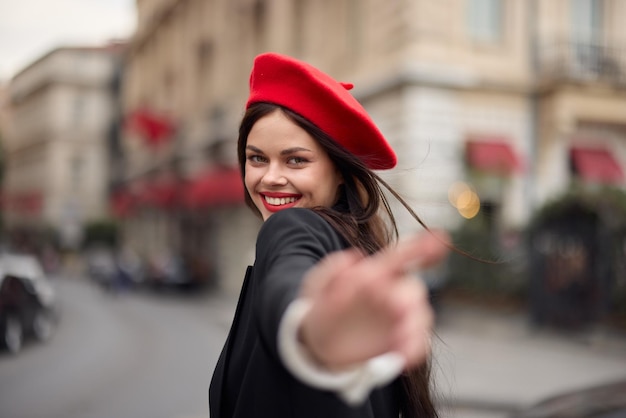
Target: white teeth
(277, 201)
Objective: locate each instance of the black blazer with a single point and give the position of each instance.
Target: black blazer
(250, 379)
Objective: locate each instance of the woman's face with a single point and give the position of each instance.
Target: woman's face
(286, 167)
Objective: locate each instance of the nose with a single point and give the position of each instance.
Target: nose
(274, 176)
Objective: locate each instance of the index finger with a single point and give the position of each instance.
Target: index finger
(416, 252)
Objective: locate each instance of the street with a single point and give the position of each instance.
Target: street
(150, 355)
(130, 355)
(490, 363)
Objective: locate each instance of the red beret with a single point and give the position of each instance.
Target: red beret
(304, 89)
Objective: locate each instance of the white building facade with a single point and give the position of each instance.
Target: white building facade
(57, 165)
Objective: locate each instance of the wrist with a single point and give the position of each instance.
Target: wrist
(314, 347)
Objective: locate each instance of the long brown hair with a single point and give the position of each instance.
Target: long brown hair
(363, 217)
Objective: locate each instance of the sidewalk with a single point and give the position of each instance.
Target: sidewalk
(488, 363)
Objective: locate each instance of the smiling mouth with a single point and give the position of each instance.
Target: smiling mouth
(279, 201)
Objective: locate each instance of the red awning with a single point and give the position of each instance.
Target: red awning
(24, 202)
(162, 193)
(596, 165)
(122, 203)
(217, 187)
(153, 127)
(159, 193)
(493, 156)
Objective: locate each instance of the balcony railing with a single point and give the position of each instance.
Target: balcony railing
(582, 62)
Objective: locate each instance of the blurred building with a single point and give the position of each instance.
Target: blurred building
(5, 127)
(56, 143)
(579, 97)
(493, 106)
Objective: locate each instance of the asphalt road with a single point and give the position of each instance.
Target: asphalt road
(134, 355)
(146, 355)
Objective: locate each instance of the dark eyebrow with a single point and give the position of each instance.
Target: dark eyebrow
(253, 148)
(293, 150)
(287, 151)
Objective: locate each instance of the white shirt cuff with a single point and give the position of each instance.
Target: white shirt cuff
(354, 385)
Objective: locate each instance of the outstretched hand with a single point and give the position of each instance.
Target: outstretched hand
(364, 306)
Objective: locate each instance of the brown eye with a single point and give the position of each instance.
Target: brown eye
(296, 160)
(256, 159)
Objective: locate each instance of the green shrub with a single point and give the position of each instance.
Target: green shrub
(488, 270)
(608, 206)
(102, 232)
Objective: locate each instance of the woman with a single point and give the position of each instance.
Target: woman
(330, 321)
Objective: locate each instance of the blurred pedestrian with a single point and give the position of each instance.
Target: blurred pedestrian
(331, 321)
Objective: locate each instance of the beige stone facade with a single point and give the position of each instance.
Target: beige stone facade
(580, 90)
(537, 77)
(56, 141)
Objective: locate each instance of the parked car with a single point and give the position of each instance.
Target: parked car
(27, 302)
(603, 401)
(114, 270)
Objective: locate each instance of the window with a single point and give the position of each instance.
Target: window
(259, 14)
(299, 26)
(484, 20)
(588, 58)
(586, 20)
(204, 67)
(204, 55)
(354, 26)
(76, 171)
(78, 109)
